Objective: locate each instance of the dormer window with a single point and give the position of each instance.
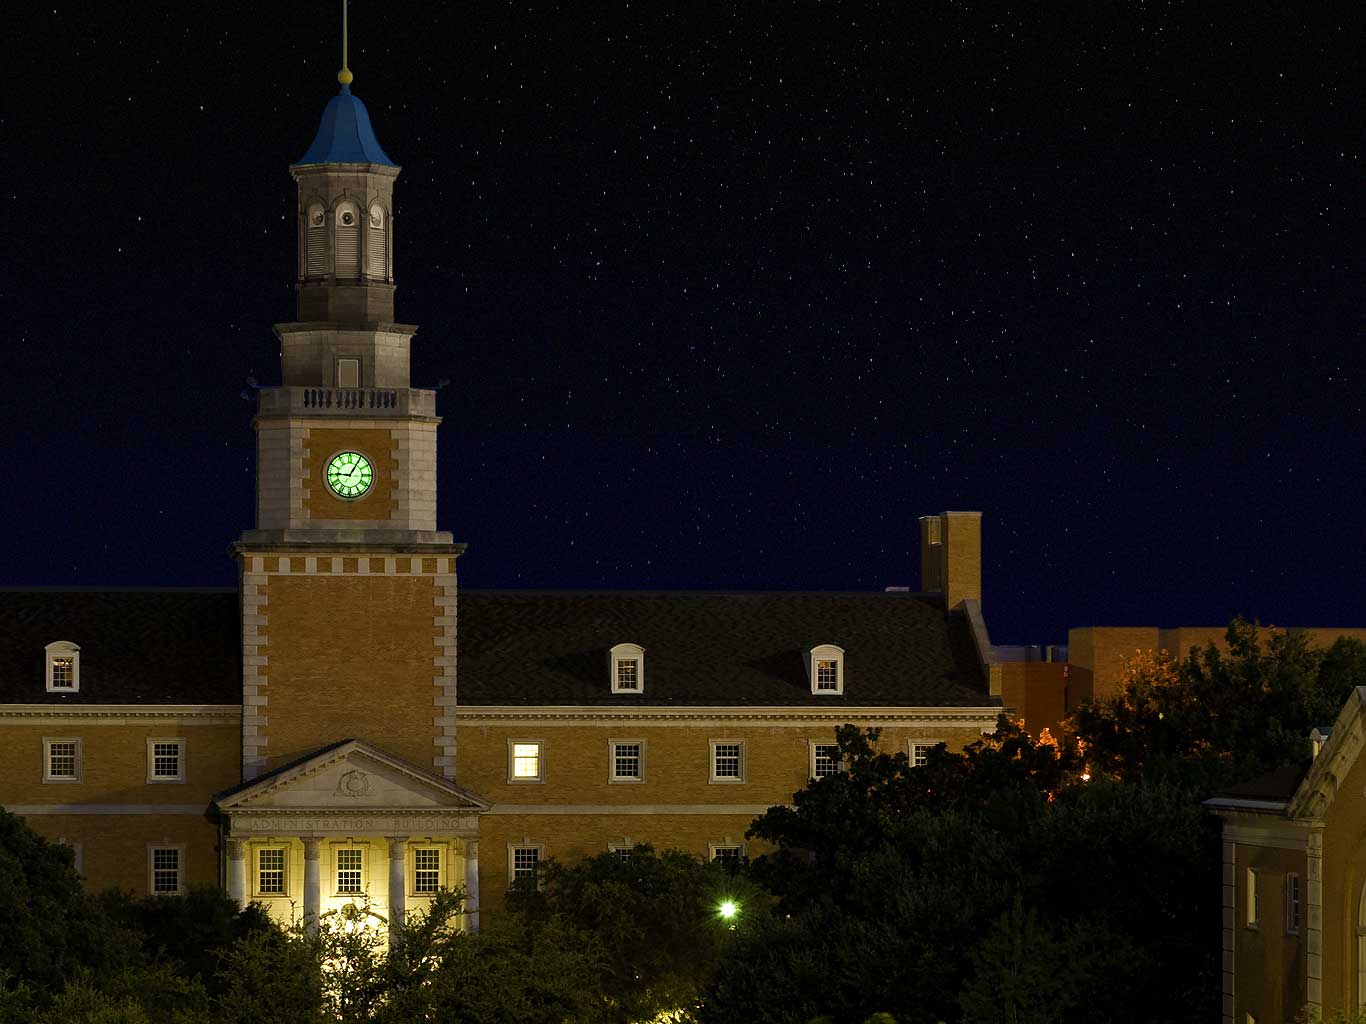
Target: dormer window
(628, 668)
(63, 667)
(825, 669)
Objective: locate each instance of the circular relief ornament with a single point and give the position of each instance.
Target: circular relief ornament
(353, 783)
(349, 475)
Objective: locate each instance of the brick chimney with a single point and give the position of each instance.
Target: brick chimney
(951, 556)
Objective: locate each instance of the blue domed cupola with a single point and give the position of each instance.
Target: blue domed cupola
(346, 211)
(345, 135)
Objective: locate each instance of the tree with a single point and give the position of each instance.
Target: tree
(51, 928)
(654, 917)
(1217, 718)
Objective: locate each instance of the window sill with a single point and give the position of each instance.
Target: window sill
(725, 782)
(166, 782)
(625, 782)
(526, 782)
(60, 782)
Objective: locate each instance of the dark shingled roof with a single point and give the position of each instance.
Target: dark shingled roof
(176, 646)
(1279, 784)
(152, 646)
(746, 649)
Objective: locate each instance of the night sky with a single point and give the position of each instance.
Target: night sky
(728, 295)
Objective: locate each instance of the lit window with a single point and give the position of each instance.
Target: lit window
(426, 870)
(350, 863)
(825, 760)
(1292, 904)
(627, 662)
(63, 667)
(165, 868)
(628, 761)
(825, 669)
(1250, 884)
(727, 761)
(270, 872)
(165, 760)
(920, 754)
(62, 760)
(524, 860)
(524, 761)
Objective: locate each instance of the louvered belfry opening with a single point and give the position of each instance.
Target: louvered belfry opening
(348, 241)
(377, 246)
(315, 243)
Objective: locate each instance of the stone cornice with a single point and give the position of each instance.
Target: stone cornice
(206, 712)
(772, 715)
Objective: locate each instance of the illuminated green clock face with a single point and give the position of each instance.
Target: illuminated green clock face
(349, 474)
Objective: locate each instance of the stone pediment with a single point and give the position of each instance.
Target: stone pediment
(351, 777)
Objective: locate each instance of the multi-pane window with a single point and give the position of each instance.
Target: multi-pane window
(1292, 903)
(526, 762)
(165, 870)
(63, 666)
(63, 673)
(728, 855)
(63, 760)
(270, 872)
(166, 760)
(626, 761)
(622, 852)
(920, 754)
(825, 760)
(426, 870)
(524, 861)
(726, 761)
(827, 675)
(349, 866)
(628, 674)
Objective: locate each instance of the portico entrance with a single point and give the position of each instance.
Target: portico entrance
(350, 825)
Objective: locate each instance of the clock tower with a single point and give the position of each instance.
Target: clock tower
(348, 588)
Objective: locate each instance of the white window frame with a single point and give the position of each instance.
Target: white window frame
(513, 743)
(927, 742)
(152, 849)
(525, 844)
(1250, 909)
(626, 846)
(48, 777)
(337, 893)
(1294, 902)
(811, 746)
(726, 780)
(152, 742)
(63, 649)
(441, 856)
(825, 652)
(627, 652)
(724, 844)
(612, 776)
(256, 852)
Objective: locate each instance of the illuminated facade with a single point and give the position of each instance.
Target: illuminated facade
(347, 726)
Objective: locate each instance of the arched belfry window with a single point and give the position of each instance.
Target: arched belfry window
(315, 242)
(377, 245)
(348, 240)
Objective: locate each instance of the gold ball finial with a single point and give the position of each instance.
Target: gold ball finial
(344, 76)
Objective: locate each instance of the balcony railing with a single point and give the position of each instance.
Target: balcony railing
(346, 402)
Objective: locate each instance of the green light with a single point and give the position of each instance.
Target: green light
(728, 909)
(349, 474)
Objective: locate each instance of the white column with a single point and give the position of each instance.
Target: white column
(398, 847)
(237, 872)
(472, 886)
(312, 886)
